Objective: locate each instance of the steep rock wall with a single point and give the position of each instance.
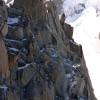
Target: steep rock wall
(44, 62)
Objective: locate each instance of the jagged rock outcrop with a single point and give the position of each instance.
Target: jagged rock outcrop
(3, 31)
(44, 62)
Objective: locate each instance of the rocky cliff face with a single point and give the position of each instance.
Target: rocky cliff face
(41, 61)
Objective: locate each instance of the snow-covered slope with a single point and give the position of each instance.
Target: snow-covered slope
(87, 32)
(69, 6)
(93, 3)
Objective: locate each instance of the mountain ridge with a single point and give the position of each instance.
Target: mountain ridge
(44, 61)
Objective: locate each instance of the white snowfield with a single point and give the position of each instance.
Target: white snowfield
(68, 6)
(87, 32)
